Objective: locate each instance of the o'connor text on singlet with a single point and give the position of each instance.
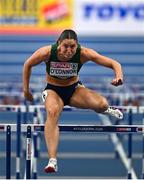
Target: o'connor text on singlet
(63, 69)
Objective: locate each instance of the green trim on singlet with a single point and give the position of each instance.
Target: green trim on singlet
(53, 58)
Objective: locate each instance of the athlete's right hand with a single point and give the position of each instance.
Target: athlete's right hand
(28, 96)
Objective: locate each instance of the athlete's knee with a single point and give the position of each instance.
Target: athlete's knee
(53, 112)
(103, 105)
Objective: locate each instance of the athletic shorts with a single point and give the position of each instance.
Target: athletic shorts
(65, 92)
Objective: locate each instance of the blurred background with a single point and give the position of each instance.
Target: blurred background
(112, 28)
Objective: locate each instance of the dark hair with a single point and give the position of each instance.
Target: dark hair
(68, 34)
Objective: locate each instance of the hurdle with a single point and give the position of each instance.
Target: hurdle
(29, 128)
(34, 128)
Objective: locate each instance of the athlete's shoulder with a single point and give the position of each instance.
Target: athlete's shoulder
(87, 53)
(84, 50)
(45, 51)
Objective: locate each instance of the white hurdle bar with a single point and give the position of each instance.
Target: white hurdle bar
(31, 108)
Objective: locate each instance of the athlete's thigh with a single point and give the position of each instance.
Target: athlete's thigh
(85, 98)
(53, 101)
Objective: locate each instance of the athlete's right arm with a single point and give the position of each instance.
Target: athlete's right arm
(37, 57)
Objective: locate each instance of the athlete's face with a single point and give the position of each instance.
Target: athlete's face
(67, 48)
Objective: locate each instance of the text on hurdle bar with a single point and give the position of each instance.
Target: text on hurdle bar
(79, 128)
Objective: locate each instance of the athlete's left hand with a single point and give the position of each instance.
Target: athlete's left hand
(117, 82)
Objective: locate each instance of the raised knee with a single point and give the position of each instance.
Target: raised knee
(103, 105)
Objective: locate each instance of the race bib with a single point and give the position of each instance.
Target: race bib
(63, 69)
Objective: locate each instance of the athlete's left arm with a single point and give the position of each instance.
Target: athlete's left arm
(90, 54)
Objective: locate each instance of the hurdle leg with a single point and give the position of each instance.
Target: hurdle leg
(35, 156)
(118, 135)
(130, 148)
(28, 153)
(130, 156)
(143, 160)
(143, 150)
(36, 120)
(8, 152)
(18, 148)
(25, 120)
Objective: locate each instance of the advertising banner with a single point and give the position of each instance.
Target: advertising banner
(87, 17)
(109, 17)
(36, 15)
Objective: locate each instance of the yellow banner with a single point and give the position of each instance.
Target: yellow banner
(38, 14)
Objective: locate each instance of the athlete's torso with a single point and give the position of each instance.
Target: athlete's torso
(63, 73)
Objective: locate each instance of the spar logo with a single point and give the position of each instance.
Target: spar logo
(56, 11)
(110, 11)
